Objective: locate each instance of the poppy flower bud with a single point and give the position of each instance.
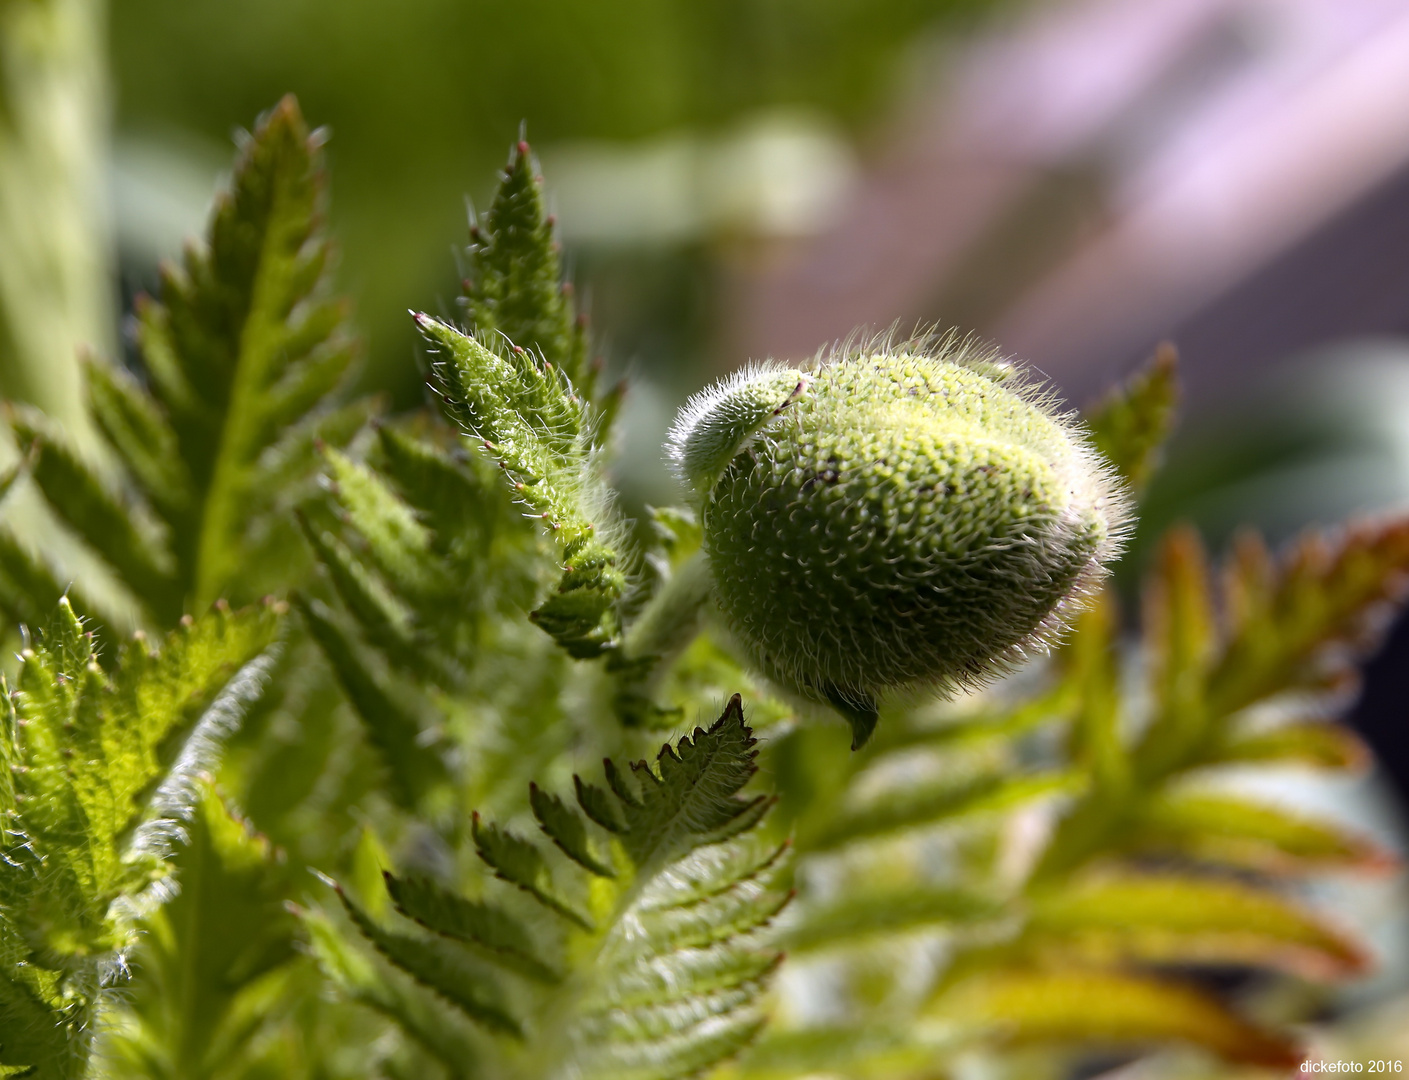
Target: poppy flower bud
(894, 519)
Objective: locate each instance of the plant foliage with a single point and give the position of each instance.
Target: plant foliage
(1022, 878)
(214, 960)
(647, 959)
(1150, 867)
(100, 773)
(241, 356)
(520, 385)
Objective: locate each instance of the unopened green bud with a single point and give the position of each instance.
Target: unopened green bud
(900, 519)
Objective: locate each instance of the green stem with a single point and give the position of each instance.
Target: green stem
(670, 621)
(56, 261)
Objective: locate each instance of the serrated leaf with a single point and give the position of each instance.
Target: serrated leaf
(695, 795)
(1132, 424)
(415, 767)
(526, 414)
(714, 870)
(1286, 614)
(450, 496)
(202, 956)
(714, 894)
(562, 825)
(241, 355)
(516, 290)
(597, 804)
(435, 1025)
(626, 791)
(247, 330)
(1286, 628)
(665, 980)
(134, 425)
(687, 973)
(680, 971)
(157, 695)
(534, 422)
(1113, 1009)
(84, 502)
(117, 728)
(101, 771)
(503, 939)
(441, 969)
(1167, 918)
(387, 620)
(518, 862)
(407, 539)
(397, 542)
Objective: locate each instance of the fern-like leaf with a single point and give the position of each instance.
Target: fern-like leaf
(100, 776)
(445, 970)
(1297, 622)
(421, 548)
(409, 551)
(242, 354)
(529, 417)
(1106, 1008)
(415, 768)
(515, 293)
(520, 863)
(521, 386)
(1132, 424)
(436, 1026)
(1187, 919)
(1051, 936)
(489, 929)
(1286, 629)
(657, 921)
(29, 585)
(210, 957)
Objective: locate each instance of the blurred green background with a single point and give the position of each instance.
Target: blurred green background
(424, 97)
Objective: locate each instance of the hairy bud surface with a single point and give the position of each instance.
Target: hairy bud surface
(894, 519)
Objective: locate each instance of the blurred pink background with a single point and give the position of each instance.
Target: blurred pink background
(1095, 176)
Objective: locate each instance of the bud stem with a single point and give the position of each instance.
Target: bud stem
(670, 621)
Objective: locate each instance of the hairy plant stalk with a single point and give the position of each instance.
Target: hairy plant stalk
(664, 629)
(673, 617)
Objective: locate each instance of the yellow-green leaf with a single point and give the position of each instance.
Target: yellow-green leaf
(1110, 1009)
(1168, 918)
